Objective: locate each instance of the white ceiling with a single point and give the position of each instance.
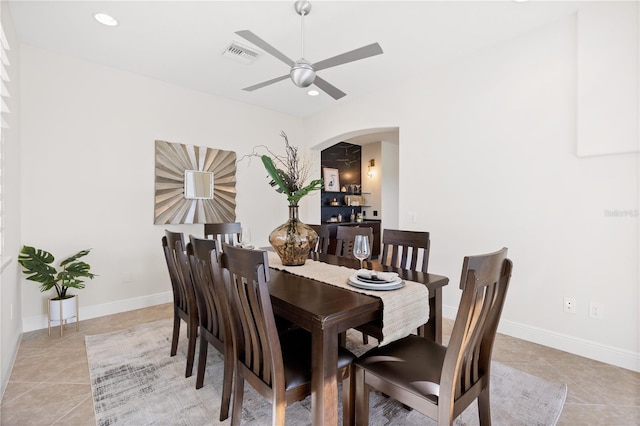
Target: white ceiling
(181, 42)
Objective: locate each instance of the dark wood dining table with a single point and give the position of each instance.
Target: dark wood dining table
(327, 311)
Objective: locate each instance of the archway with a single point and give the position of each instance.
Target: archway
(381, 145)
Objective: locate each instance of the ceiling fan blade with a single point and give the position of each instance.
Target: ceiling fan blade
(329, 88)
(266, 83)
(354, 55)
(249, 36)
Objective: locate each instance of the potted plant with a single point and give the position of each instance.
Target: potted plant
(37, 265)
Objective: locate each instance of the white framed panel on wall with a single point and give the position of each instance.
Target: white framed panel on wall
(608, 74)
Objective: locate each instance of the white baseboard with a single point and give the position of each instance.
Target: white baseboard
(577, 346)
(8, 367)
(88, 312)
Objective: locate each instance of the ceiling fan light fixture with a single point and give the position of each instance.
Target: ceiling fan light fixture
(106, 19)
(302, 73)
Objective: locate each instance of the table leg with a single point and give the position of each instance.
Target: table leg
(433, 328)
(324, 381)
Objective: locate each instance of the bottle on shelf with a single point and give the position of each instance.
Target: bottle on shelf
(352, 218)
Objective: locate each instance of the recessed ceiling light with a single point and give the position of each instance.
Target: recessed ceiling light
(313, 93)
(105, 19)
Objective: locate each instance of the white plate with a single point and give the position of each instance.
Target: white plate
(393, 285)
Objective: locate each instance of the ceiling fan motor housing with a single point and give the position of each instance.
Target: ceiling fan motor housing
(302, 73)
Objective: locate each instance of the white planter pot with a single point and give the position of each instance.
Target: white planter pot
(62, 310)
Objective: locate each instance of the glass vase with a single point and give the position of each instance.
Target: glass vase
(293, 240)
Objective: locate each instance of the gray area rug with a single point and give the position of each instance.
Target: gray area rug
(136, 382)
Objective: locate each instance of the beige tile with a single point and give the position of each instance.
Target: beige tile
(43, 366)
(82, 415)
(607, 384)
(76, 372)
(44, 404)
(594, 415)
(16, 390)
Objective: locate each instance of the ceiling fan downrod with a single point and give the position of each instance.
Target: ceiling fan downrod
(302, 73)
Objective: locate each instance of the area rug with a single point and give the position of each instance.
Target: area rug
(135, 382)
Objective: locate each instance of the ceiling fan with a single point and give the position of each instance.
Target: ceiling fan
(303, 73)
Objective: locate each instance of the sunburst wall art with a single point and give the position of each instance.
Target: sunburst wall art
(211, 184)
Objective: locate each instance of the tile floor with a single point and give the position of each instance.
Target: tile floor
(50, 383)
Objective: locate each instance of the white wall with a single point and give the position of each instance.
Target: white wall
(371, 185)
(390, 170)
(88, 137)
(10, 312)
(487, 159)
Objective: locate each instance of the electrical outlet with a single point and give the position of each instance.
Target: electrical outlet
(413, 217)
(570, 305)
(596, 311)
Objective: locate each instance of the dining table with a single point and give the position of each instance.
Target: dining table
(328, 311)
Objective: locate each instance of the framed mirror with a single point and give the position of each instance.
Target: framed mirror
(194, 184)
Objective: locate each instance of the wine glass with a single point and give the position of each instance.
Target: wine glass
(361, 248)
(245, 237)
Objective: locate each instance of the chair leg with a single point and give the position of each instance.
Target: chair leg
(484, 407)
(202, 362)
(176, 334)
(348, 399)
(227, 382)
(238, 394)
(342, 339)
(279, 412)
(362, 398)
(365, 339)
(191, 350)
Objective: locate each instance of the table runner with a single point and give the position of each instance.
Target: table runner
(403, 310)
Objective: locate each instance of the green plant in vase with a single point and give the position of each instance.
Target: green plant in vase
(289, 175)
(37, 265)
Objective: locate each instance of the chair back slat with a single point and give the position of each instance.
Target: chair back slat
(209, 294)
(254, 329)
(346, 235)
(406, 249)
(322, 244)
(226, 232)
(484, 282)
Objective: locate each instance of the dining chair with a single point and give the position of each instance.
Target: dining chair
(184, 299)
(276, 365)
(226, 232)
(442, 381)
(346, 235)
(322, 245)
(405, 249)
(213, 314)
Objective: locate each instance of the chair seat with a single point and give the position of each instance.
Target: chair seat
(413, 363)
(296, 354)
